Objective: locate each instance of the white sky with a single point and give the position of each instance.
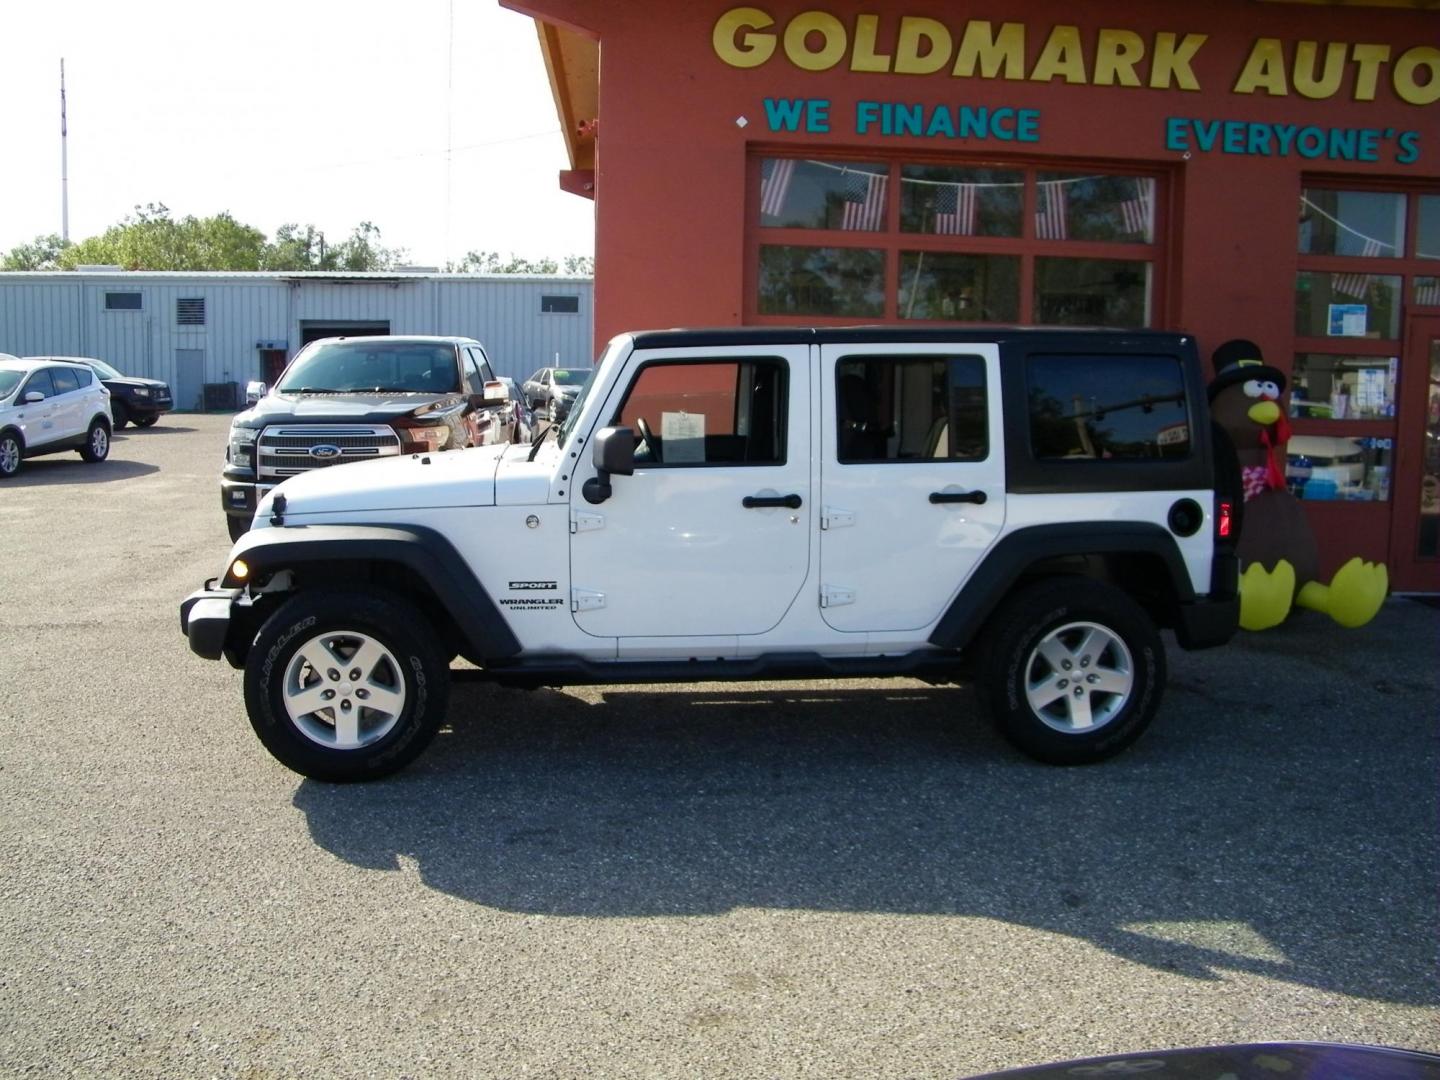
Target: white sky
(313, 111)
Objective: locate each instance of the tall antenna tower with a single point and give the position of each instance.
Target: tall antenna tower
(64, 163)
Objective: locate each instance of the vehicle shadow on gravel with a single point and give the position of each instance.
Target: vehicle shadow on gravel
(1289, 835)
(50, 471)
(154, 431)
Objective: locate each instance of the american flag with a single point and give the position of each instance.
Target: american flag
(1427, 292)
(864, 201)
(1135, 214)
(775, 177)
(1050, 217)
(955, 210)
(1358, 285)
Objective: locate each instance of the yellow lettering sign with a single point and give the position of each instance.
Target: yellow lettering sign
(1264, 69)
(748, 37)
(750, 50)
(924, 46)
(1063, 56)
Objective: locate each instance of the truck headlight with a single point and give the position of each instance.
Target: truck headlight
(423, 439)
(242, 445)
(140, 391)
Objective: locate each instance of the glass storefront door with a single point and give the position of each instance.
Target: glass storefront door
(1415, 553)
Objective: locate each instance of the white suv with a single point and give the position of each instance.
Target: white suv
(1027, 508)
(47, 407)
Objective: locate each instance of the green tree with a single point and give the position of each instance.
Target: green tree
(363, 251)
(304, 248)
(43, 253)
(492, 262)
(151, 239)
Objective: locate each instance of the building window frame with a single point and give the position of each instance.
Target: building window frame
(894, 245)
(1377, 436)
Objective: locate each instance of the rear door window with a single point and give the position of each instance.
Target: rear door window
(911, 408)
(65, 380)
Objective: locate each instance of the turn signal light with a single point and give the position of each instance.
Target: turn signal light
(1223, 521)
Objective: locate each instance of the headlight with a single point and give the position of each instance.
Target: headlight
(140, 391)
(420, 440)
(242, 445)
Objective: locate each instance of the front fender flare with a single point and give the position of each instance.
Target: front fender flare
(423, 551)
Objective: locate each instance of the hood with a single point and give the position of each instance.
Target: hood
(412, 482)
(133, 382)
(341, 408)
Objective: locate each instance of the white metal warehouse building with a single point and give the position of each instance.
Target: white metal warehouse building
(208, 334)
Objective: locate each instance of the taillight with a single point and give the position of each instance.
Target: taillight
(1223, 520)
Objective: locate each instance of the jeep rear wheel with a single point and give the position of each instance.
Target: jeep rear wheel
(346, 685)
(1073, 670)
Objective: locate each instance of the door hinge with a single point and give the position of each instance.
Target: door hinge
(583, 522)
(836, 596)
(832, 517)
(586, 600)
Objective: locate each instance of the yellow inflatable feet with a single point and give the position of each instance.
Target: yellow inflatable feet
(1265, 595)
(1352, 598)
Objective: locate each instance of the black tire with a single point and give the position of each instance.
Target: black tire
(12, 454)
(147, 421)
(1093, 714)
(551, 413)
(119, 414)
(411, 667)
(97, 442)
(237, 525)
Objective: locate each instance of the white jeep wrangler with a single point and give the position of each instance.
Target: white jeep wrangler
(1025, 507)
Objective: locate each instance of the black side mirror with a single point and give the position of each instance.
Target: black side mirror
(612, 451)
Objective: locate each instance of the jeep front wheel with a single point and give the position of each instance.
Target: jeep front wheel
(1073, 671)
(346, 685)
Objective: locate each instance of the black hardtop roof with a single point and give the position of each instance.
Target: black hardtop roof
(1057, 337)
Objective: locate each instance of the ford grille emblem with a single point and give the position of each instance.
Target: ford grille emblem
(324, 452)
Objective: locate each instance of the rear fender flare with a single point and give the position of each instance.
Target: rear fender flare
(1012, 556)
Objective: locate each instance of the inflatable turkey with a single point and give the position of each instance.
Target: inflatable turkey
(1279, 561)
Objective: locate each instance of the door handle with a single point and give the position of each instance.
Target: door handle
(976, 497)
(750, 502)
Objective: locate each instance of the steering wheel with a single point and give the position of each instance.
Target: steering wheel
(648, 438)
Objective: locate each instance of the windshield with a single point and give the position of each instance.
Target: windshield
(105, 370)
(377, 366)
(571, 376)
(578, 405)
(8, 381)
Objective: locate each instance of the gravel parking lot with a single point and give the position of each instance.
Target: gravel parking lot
(760, 880)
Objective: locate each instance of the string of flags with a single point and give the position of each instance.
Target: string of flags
(955, 205)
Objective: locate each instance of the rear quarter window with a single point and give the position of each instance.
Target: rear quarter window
(1124, 408)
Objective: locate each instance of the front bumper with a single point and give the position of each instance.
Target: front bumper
(239, 498)
(144, 408)
(205, 619)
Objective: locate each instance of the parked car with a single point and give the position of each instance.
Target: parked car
(353, 399)
(552, 390)
(132, 399)
(1027, 508)
(521, 417)
(47, 407)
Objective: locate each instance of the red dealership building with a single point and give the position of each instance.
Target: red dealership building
(1230, 168)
